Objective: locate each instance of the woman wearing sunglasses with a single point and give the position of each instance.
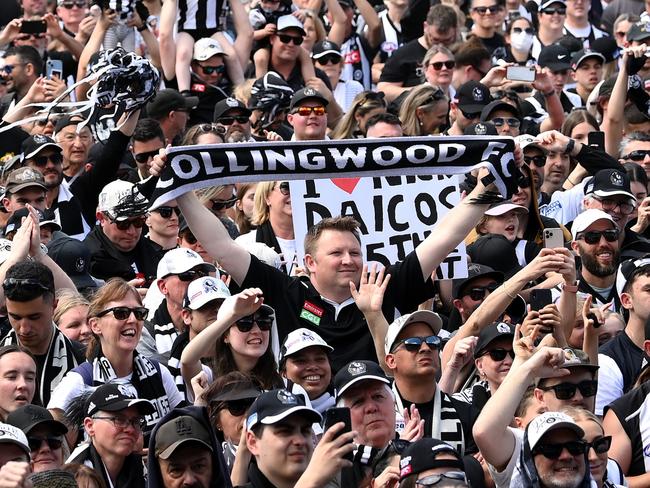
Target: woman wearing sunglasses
(239, 340)
(116, 318)
(220, 200)
(439, 66)
(520, 36)
(272, 218)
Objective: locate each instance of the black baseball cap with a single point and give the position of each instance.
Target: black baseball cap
(30, 416)
(355, 372)
(113, 397)
(238, 390)
(227, 104)
(274, 406)
(325, 47)
(421, 456)
(627, 268)
(609, 182)
(177, 431)
(583, 54)
(472, 97)
(555, 57)
(35, 144)
(474, 271)
(45, 218)
(492, 332)
(606, 46)
(307, 93)
(498, 105)
(68, 119)
(168, 100)
(73, 257)
(496, 250)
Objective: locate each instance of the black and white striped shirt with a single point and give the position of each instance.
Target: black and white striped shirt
(198, 14)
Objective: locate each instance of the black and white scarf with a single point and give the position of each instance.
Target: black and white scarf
(60, 359)
(164, 330)
(174, 363)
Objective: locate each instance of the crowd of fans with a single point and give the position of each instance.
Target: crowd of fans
(184, 345)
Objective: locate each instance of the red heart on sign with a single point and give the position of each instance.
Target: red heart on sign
(346, 184)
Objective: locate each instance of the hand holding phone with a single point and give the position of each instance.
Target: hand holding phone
(520, 73)
(335, 415)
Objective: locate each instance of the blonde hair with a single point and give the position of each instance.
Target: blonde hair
(206, 194)
(420, 97)
(364, 103)
(243, 90)
(435, 49)
(67, 300)
(260, 207)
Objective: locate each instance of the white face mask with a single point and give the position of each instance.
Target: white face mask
(521, 41)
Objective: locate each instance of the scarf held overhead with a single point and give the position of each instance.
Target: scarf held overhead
(195, 167)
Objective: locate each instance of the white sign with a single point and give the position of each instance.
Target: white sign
(395, 213)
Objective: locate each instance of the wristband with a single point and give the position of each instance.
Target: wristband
(569, 147)
(570, 288)
(144, 27)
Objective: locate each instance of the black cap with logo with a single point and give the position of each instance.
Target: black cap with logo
(28, 417)
(555, 57)
(113, 397)
(472, 97)
(274, 406)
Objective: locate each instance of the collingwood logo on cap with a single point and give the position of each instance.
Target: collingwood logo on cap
(231, 102)
(182, 426)
(503, 328)
(287, 398)
(616, 178)
(79, 264)
(309, 91)
(356, 368)
(480, 129)
(40, 139)
(477, 94)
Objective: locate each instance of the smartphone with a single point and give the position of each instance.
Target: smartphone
(335, 415)
(553, 237)
(596, 139)
(593, 317)
(54, 68)
(33, 27)
(540, 298)
(520, 73)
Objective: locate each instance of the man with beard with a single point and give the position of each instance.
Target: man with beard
(233, 116)
(596, 242)
(22, 67)
(622, 357)
(468, 293)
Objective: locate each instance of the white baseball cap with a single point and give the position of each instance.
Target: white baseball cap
(288, 21)
(588, 217)
(207, 47)
(180, 260)
(548, 421)
(300, 339)
(430, 318)
(117, 194)
(13, 435)
(204, 290)
(503, 208)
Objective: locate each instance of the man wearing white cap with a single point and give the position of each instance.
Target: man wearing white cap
(176, 270)
(412, 348)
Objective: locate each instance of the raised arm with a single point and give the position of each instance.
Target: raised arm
(244, 40)
(54, 30)
(373, 24)
(337, 31)
(166, 39)
(93, 45)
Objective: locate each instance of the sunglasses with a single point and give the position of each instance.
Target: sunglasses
(210, 70)
(264, 321)
(285, 39)
(600, 445)
(143, 157)
(236, 408)
(221, 204)
(35, 443)
(191, 274)
(501, 121)
(470, 116)
(484, 10)
(27, 284)
(566, 391)
(478, 292)
(123, 313)
(609, 205)
(413, 344)
(284, 188)
(166, 212)
(638, 155)
(539, 161)
(554, 10)
(329, 59)
(9, 68)
(307, 111)
(593, 237)
(553, 451)
(41, 161)
(528, 30)
(434, 479)
(500, 354)
(69, 5)
(138, 223)
(189, 237)
(439, 64)
(230, 119)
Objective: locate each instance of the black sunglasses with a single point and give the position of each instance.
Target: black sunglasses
(236, 408)
(477, 293)
(189, 237)
(221, 204)
(35, 443)
(439, 64)
(413, 344)
(492, 8)
(285, 39)
(500, 354)
(527, 30)
(638, 155)
(501, 121)
(230, 119)
(539, 161)
(553, 451)
(600, 445)
(566, 391)
(593, 236)
(191, 274)
(123, 313)
(166, 212)
(554, 10)
(143, 157)
(284, 188)
(263, 319)
(138, 223)
(329, 59)
(209, 70)
(41, 161)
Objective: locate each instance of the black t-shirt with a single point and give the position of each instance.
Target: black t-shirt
(405, 65)
(494, 42)
(208, 95)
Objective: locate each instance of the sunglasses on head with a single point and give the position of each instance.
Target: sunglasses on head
(230, 119)
(528, 30)
(41, 161)
(123, 313)
(492, 8)
(285, 39)
(638, 155)
(455, 477)
(566, 391)
(413, 344)
(210, 70)
(35, 443)
(166, 212)
(221, 204)
(329, 59)
(236, 408)
(138, 223)
(501, 121)
(478, 292)
(307, 111)
(554, 10)
(553, 451)
(593, 236)
(539, 161)
(439, 64)
(143, 157)
(500, 354)
(28, 284)
(263, 319)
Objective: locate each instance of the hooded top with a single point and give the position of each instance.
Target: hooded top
(220, 476)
